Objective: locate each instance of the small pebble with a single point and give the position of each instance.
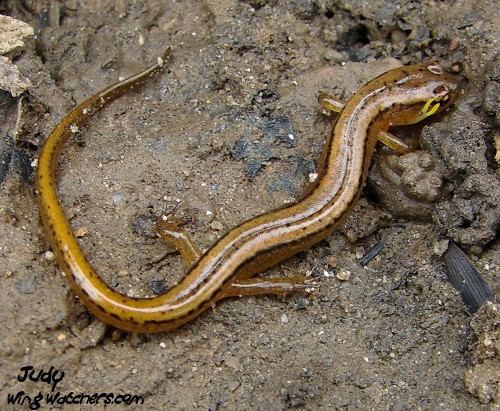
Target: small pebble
(332, 261)
(344, 275)
(440, 247)
(80, 232)
(216, 225)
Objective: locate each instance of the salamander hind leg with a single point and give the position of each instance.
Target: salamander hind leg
(331, 103)
(260, 286)
(170, 228)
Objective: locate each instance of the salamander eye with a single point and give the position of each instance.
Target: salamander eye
(441, 93)
(435, 68)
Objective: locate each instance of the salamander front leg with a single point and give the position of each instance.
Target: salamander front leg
(332, 103)
(398, 145)
(393, 142)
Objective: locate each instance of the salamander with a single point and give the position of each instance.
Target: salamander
(399, 97)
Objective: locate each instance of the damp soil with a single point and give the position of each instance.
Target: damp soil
(230, 129)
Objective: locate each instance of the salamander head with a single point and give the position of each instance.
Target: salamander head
(427, 90)
(446, 88)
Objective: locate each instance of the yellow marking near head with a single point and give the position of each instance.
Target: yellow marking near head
(425, 112)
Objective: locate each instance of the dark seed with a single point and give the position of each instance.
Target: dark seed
(474, 290)
(372, 253)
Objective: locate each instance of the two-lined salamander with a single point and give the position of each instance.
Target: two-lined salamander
(402, 96)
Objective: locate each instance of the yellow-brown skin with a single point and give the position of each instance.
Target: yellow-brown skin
(394, 98)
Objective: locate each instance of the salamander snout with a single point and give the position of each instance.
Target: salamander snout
(446, 87)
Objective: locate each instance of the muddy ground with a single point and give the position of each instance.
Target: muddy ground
(230, 129)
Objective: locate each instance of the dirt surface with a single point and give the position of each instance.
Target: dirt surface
(229, 130)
